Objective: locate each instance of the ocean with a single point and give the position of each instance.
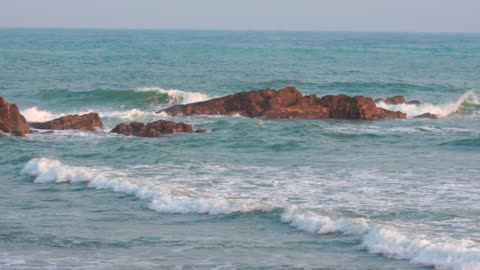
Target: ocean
(250, 193)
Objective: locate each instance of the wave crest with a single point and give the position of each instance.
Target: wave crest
(390, 242)
(161, 199)
(177, 96)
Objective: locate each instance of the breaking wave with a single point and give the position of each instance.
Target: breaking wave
(384, 239)
(132, 97)
(177, 96)
(34, 114)
(161, 198)
(467, 104)
(142, 97)
(391, 242)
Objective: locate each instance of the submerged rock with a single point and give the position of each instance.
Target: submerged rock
(392, 100)
(11, 121)
(287, 103)
(88, 122)
(396, 100)
(427, 115)
(414, 102)
(154, 129)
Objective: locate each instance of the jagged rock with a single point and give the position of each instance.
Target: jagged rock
(287, 103)
(427, 115)
(154, 129)
(11, 121)
(88, 122)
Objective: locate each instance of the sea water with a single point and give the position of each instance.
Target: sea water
(250, 193)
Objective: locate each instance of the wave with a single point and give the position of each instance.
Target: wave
(384, 239)
(34, 114)
(177, 96)
(391, 242)
(467, 104)
(161, 198)
(143, 97)
(132, 97)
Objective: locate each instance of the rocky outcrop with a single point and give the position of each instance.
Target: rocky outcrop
(154, 129)
(287, 103)
(89, 122)
(1, 134)
(427, 115)
(11, 121)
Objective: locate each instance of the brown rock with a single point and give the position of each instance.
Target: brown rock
(1, 134)
(427, 115)
(11, 120)
(251, 104)
(201, 130)
(88, 122)
(392, 100)
(287, 103)
(154, 129)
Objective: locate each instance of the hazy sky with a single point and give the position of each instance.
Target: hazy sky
(316, 15)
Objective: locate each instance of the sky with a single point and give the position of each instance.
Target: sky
(288, 15)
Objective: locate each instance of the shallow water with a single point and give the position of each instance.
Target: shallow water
(250, 193)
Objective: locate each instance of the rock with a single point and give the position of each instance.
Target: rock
(201, 130)
(413, 102)
(11, 120)
(1, 134)
(427, 115)
(392, 100)
(154, 129)
(287, 103)
(88, 122)
(47, 132)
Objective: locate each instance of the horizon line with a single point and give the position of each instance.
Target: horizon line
(230, 30)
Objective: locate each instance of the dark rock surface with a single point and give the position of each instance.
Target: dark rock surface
(392, 100)
(88, 122)
(11, 121)
(427, 115)
(287, 103)
(154, 129)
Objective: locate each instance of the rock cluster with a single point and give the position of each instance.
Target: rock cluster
(287, 103)
(11, 121)
(154, 129)
(266, 103)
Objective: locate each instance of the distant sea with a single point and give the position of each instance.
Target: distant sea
(250, 193)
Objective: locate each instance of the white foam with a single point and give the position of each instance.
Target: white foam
(177, 96)
(441, 110)
(391, 242)
(34, 114)
(161, 199)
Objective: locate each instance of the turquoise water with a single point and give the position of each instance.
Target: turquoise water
(250, 193)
